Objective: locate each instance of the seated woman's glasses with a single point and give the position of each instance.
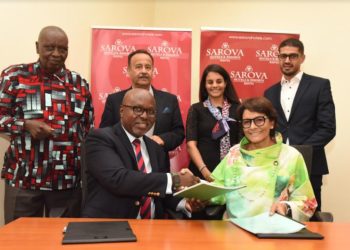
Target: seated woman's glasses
(258, 121)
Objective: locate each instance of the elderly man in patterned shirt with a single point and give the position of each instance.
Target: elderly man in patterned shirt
(46, 110)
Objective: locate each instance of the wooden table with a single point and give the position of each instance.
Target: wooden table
(46, 233)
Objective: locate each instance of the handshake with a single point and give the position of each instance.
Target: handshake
(182, 179)
(185, 178)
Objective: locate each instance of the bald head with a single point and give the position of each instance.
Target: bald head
(48, 29)
(52, 47)
(137, 112)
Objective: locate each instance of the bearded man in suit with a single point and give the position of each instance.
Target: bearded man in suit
(306, 112)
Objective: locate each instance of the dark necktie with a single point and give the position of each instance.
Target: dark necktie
(145, 209)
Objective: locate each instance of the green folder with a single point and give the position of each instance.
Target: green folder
(204, 191)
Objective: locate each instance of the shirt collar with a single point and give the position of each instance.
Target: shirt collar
(60, 74)
(296, 78)
(150, 90)
(131, 137)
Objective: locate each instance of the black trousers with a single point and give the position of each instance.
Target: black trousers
(32, 203)
(316, 182)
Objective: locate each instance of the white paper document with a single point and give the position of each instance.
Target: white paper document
(266, 224)
(205, 190)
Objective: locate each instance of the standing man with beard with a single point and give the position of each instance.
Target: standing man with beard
(46, 110)
(306, 112)
(168, 130)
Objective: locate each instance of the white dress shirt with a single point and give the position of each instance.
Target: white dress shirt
(288, 91)
(148, 167)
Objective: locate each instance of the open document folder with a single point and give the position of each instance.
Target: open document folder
(275, 226)
(205, 190)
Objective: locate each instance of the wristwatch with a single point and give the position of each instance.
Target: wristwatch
(289, 211)
(176, 181)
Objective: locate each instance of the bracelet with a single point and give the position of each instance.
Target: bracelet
(204, 166)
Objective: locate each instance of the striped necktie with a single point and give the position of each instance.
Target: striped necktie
(145, 208)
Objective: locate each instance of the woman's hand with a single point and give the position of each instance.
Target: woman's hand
(278, 207)
(207, 174)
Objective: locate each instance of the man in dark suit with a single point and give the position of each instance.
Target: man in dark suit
(117, 186)
(168, 130)
(306, 112)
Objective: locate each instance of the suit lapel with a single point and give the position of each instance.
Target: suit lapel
(157, 98)
(304, 84)
(125, 140)
(276, 98)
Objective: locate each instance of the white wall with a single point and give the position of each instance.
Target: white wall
(323, 25)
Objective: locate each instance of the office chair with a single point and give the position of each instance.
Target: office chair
(307, 153)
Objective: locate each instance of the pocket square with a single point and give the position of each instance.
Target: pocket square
(166, 110)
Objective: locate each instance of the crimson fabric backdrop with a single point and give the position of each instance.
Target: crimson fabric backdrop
(171, 49)
(250, 57)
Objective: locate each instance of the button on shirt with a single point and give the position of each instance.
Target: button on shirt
(288, 91)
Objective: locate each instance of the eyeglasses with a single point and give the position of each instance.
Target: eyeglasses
(140, 110)
(291, 57)
(258, 121)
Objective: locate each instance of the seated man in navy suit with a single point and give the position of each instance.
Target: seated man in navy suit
(127, 171)
(168, 130)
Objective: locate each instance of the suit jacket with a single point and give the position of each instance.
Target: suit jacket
(168, 125)
(312, 118)
(114, 183)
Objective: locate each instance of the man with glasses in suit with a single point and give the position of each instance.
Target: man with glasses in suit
(168, 129)
(305, 107)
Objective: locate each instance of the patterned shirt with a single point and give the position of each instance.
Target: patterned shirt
(273, 174)
(61, 100)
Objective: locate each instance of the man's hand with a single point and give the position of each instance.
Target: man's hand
(195, 205)
(157, 139)
(187, 178)
(39, 130)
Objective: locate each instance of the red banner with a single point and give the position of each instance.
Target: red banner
(249, 57)
(171, 49)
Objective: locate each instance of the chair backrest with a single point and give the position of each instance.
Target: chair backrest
(306, 151)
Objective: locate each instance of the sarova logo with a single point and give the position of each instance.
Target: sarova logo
(270, 55)
(118, 49)
(125, 71)
(165, 51)
(248, 76)
(225, 53)
(266, 53)
(102, 96)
